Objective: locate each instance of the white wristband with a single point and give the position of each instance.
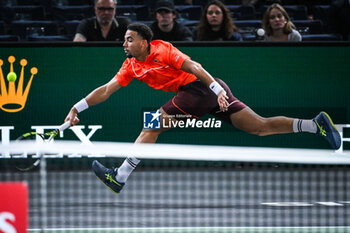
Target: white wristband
(215, 87)
(81, 105)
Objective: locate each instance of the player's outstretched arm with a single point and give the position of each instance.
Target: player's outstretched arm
(97, 96)
(195, 68)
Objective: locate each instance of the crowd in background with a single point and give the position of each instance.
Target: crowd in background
(177, 20)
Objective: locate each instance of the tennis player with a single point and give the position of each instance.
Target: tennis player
(162, 66)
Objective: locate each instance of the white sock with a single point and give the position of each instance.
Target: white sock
(304, 126)
(126, 169)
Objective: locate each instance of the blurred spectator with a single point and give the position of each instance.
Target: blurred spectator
(216, 24)
(166, 27)
(249, 2)
(340, 18)
(308, 3)
(277, 25)
(103, 27)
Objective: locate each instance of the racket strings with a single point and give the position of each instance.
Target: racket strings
(53, 133)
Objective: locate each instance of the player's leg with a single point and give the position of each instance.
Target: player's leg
(244, 118)
(146, 136)
(116, 178)
(151, 135)
(248, 121)
(322, 125)
(188, 102)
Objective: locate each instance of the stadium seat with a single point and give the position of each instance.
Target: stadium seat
(232, 2)
(9, 38)
(133, 12)
(191, 24)
(248, 23)
(180, 2)
(249, 37)
(127, 11)
(189, 12)
(2, 28)
(80, 2)
(64, 13)
(23, 13)
(132, 2)
(70, 28)
(295, 12)
(322, 12)
(247, 27)
(309, 26)
(147, 22)
(25, 2)
(142, 12)
(322, 37)
(242, 12)
(23, 28)
(198, 2)
(48, 38)
(205, 2)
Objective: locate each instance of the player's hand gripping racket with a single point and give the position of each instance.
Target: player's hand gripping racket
(47, 137)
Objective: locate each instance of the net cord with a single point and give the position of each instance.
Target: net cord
(177, 152)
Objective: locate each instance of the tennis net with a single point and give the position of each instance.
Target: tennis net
(183, 188)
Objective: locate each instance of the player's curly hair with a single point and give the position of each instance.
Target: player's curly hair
(227, 24)
(142, 30)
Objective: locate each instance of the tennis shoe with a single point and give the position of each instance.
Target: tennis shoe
(327, 130)
(107, 176)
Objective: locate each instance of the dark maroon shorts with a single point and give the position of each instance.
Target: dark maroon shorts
(196, 99)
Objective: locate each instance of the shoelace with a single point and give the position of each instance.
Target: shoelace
(322, 131)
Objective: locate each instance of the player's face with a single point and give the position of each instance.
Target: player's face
(214, 15)
(105, 11)
(133, 44)
(277, 19)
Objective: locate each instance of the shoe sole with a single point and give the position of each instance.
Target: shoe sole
(330, 120)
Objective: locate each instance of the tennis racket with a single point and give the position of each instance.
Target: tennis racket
(31, 161)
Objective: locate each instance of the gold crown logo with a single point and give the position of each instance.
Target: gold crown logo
(10, 99)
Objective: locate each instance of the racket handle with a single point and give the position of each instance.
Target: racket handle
(64, 126)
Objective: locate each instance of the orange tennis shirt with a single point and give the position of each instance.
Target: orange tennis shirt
(161, 70)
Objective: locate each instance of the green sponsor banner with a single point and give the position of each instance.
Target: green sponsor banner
(296, 81)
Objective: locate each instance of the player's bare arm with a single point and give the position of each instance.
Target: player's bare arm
(102, 93)
(195, 68)
(97, 96)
